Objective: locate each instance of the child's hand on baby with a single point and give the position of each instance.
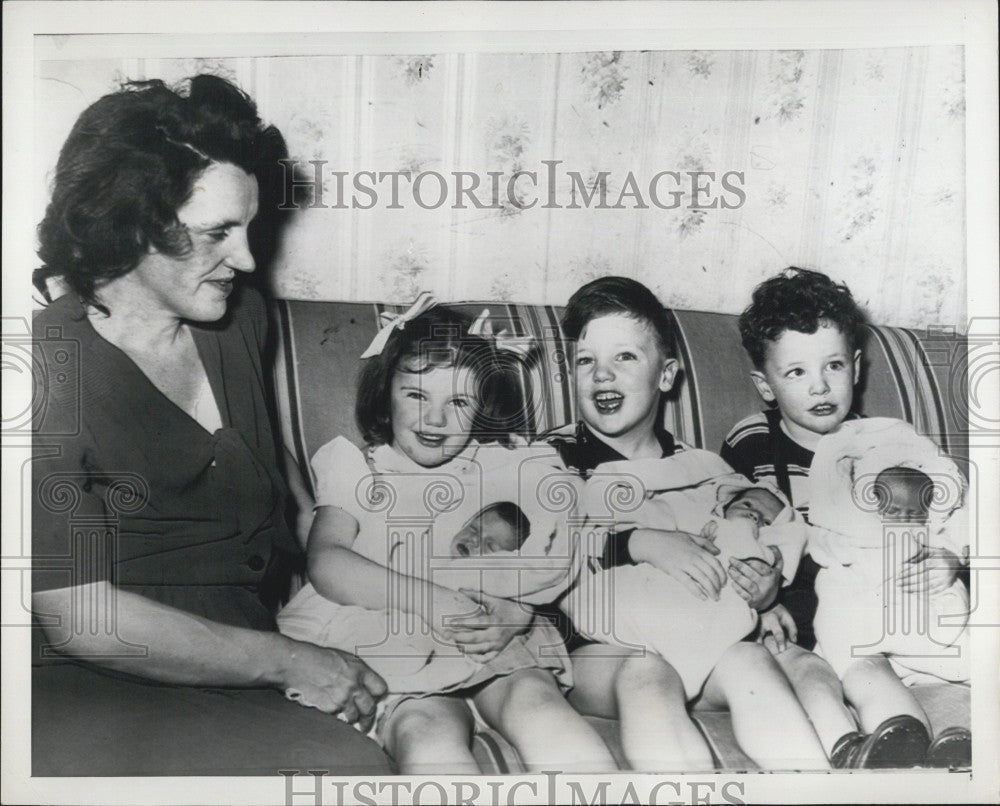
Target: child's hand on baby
(756, 580)
(930, 571)
(453, 612)
(486, 634)
(777, 628)
(687, 558)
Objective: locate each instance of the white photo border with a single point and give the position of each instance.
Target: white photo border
(261, 28)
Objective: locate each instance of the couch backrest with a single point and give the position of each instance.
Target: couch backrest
(916, 376)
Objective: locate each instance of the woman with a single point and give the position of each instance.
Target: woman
(158, 513)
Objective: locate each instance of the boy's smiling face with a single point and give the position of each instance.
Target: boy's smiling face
(620, 373)
(811, 377)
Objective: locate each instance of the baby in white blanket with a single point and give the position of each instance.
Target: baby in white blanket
(639, 606)
(883, 500)
(408, 657)
(890, 529)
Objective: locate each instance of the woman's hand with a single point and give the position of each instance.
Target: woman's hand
(777, 628)
(485, 635)
(756, 580)
(335, 682)
(687, 558)
(930, 571)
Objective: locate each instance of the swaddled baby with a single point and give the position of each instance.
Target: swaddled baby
(639, 606)
(883, 499)
(410, 660)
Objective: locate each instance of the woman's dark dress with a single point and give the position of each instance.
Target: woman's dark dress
(128, 487)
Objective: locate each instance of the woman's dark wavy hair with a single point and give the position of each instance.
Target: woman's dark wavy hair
(439, 339)
(619, 295)
(798, 299)
(131, 162)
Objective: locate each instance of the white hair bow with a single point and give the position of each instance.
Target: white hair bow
(397, 321)
(504, 340)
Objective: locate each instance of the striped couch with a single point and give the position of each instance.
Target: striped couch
(914, 375)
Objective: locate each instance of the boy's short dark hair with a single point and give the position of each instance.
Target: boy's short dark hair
(798, 299)
(618, 295)
(440, 339)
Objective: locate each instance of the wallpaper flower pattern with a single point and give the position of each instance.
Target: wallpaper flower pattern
(852, 160)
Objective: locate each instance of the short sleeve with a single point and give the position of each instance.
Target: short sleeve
(728, 454)
(65, 516)
(746, 445)
(339, 467)
(737, 457)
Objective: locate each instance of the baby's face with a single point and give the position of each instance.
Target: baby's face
(755, 505)
(484, 534)
(903, 497)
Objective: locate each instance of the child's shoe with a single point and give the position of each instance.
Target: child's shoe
(951, 749)
(900, 741)
(846, 749)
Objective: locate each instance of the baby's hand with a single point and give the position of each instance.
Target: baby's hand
(777, 628)
(930, 571)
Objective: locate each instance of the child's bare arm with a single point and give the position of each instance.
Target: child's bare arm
(300, 495)
(342, 575)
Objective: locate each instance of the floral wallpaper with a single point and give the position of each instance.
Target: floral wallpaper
(849, 161)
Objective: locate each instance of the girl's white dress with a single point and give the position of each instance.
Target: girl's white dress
(407, 516)
(862, 612)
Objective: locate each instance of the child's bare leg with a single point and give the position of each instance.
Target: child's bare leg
(769, 723)
(877, 693)
(820, 693)
(595, 669)
(657, 733)
(647, 696)
(431, 735)
(528, 708)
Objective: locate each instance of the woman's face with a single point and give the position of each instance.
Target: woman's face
(196, 286)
